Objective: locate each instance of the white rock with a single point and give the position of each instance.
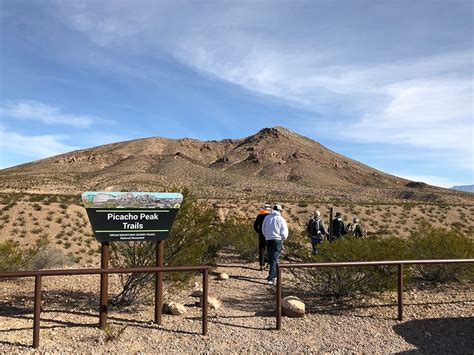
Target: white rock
(212, 301)
(293, 307)
(177, 309)
(223, 276)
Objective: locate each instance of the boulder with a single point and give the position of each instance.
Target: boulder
(197, 293)
(212, 301)
(166, 308)
(293, 307)
(177, 309)
(223, 276)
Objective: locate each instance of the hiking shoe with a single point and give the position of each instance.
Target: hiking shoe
(270, 282)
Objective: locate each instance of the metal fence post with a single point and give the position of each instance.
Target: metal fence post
(205, 289)
(278, 299)
(37, 311)
(330, 225)
(400, 291)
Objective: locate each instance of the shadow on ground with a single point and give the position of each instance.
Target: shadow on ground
(438, 335)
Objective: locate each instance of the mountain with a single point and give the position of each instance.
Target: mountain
(273, 163)
(464, 188)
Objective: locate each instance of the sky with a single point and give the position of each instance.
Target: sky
(388, 83)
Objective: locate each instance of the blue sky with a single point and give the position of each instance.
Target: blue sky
(389, 83)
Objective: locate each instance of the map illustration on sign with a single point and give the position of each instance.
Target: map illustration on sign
(131, 216)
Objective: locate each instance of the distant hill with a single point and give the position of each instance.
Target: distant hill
(464, 188)
(274, 163)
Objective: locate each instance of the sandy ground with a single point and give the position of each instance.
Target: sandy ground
(437, 320)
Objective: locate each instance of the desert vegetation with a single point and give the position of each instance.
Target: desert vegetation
(40, 227)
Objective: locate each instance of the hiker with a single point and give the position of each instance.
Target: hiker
(316, 231)
(355, 228)
(275, 230)
(339, 228)
(262, 243)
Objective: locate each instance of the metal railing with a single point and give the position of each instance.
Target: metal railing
(398, 263)
(38, 275)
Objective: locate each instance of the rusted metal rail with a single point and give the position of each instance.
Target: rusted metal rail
(398, 263)
(38, 275)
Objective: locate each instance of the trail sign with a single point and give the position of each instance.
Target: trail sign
(131, 216)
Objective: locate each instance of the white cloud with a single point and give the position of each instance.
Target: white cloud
(38, 111)
(398, 88)
(35, 147)
(433, 113)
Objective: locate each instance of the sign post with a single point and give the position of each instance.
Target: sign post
(159, 283)
(131, 216)
(104, 286)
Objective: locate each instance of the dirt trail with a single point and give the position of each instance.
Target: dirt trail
(437, 320)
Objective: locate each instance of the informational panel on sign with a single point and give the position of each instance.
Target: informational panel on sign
(131, 216)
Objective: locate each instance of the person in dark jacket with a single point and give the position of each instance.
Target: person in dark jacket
(339, 228)
(262, 243)
(316, 231)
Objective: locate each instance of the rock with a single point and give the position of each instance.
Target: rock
(197, 293)
(293, 307)
(212, 301)
(223, 276)
(166, 308)
(177, 309)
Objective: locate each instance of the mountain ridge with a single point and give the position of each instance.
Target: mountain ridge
(464, 188)
(273, 162)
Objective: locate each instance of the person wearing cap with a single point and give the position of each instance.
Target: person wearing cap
(275, 230)
(316, 231)
(339, 228)
(356, 228)
(262, 243)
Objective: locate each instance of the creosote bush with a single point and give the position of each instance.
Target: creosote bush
(426, 242)
(351, 281)
(13, 257)
(240, 236)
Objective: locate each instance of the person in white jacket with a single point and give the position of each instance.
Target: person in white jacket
(275, 230)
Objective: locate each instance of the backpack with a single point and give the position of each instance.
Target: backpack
(314, 227)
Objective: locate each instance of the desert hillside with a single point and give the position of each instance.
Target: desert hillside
(271, 164)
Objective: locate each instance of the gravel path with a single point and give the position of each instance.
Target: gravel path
(439, 320)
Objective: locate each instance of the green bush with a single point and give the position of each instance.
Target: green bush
(11, 256)
(351, 281)
(428, 242)
(240, 236)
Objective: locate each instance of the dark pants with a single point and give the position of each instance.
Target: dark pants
(314, 243)
(274, 250)
(262, 248)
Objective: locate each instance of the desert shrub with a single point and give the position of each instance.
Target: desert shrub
(192, 241)
(47, 257)
(240, 236)
(428, 242)
(11, 256)
(351, 281)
